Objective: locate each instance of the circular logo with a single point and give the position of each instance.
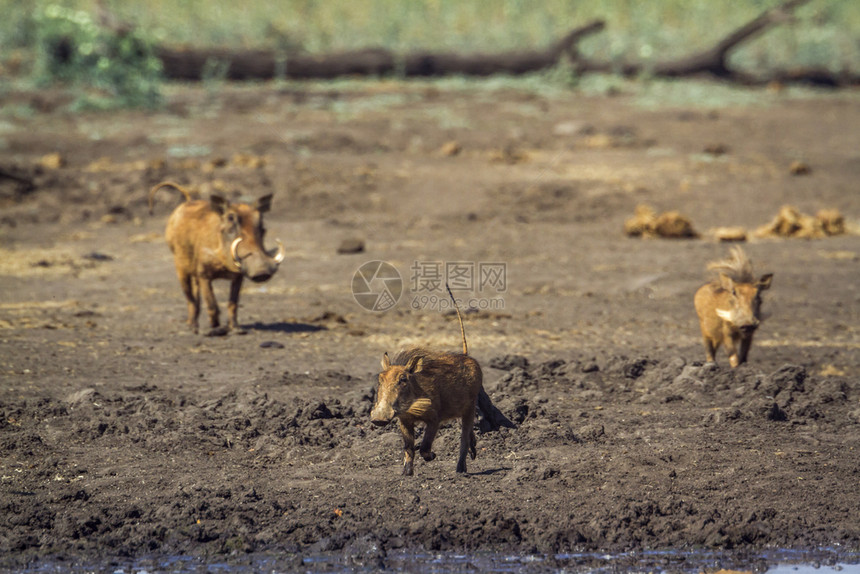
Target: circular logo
(377, 286)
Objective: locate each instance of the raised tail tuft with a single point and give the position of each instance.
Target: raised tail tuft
(459, 318)
(188, 194)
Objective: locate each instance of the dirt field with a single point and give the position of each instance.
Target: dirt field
(123, 435)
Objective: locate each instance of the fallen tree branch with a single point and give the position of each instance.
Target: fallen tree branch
(514, 63)
(196, 64)
(192, 64)
(714, 61)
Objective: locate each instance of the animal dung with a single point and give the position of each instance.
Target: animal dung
(799, 168)
(451, 148)
(52, 161)
(716, 149)
(647, 223)
(791, 222)
(728, 234)
(832, 221)
(249, 161)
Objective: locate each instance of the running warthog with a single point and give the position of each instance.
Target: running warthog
(217, 239)
(729, 307)
(432, 387)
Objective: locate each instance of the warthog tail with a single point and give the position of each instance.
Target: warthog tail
(491, 418)
(188, 194)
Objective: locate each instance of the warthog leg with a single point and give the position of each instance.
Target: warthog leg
(427, 442)
(233, 305)
(467, 435)
(408, 432)
(189, 288)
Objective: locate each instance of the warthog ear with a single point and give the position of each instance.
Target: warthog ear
(414, 365)
(264, 204)
(385, 362)
(726, 282)
(219, 203)
(764, 283)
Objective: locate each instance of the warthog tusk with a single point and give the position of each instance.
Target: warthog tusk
(725, 315)
(279, 256)
(234, 252)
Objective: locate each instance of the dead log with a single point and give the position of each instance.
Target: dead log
(194, 64)
(512, 63)
(190, 64)
(713, 61)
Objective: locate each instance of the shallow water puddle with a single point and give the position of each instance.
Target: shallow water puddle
(775, 562)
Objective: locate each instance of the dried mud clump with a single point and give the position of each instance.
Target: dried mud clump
(647, 223)
(798, 167)
(728, 234)
(791, 222)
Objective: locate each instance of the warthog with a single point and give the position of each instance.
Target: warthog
(729, 307)
(432, 387)
(217, 239)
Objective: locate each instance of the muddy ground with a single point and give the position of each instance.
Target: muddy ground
(123, 435)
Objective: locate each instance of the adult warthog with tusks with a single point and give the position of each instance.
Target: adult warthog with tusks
(217, 239)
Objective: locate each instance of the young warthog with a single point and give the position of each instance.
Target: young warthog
(729, 307)
(217, 239)
(432, 387)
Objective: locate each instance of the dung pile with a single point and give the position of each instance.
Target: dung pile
(791, 222)
(647, 223)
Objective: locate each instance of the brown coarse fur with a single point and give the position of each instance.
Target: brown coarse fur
(432, 387)
(429, 387)
(217, 239)
(729, 307)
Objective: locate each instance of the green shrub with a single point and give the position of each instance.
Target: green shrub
(114, 68)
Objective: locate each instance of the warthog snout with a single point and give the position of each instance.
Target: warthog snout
(383, 409)
(256, 265)
(380, 418)
(749, 328)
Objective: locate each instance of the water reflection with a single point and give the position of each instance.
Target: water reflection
(825, 561)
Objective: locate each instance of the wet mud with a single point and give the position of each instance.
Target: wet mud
(124, 437)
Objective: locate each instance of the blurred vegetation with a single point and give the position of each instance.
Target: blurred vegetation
(71, 47)
(824, 34)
